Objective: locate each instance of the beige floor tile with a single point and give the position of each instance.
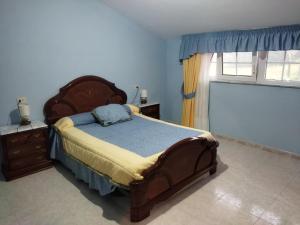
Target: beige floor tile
(283, 161)
(199, 199)
(248, 199)
(218, 187)
(291, 194)
(262, 222)
(270, 180)
(9, 220)
(282, 213)
(182, 217)
(225, 214)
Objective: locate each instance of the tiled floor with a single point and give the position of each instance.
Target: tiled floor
(252, 186)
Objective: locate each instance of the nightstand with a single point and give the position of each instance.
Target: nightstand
(150, 109)
(25, 149)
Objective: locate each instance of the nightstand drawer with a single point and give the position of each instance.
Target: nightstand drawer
(27, 161)
(150, 109)
(17, 139)
(26, 150)
(22, 138)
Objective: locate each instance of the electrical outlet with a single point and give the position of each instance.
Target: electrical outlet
(22, 99)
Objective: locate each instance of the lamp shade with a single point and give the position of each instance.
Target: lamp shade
(144, 93)
(24, 110)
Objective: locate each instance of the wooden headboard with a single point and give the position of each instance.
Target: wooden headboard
(82, 95)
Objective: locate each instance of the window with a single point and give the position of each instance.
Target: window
(273, 67)
(234, 66)
(283, 65)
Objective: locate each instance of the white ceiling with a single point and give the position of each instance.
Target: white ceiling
(172, 18)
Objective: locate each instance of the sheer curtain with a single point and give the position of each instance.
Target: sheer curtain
(202, 93)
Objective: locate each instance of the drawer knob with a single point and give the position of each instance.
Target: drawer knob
(37, 135)
(16, 152)
(38, 146)
(13, 140)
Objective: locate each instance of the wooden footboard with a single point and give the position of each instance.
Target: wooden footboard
(178, 166)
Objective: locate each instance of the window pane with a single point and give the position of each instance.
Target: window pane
(229, 69)
(276, 56)
(291, 72)
(293, 56)
(229, 57)
(244, 57)
(274, 71)
(244, 69)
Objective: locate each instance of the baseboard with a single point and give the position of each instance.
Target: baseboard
(260, 146)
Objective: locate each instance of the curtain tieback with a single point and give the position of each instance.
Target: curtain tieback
(189, 95)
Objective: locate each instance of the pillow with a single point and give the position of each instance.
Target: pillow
(127, 108)
(82, 118)
(111, 114)
(133, 108)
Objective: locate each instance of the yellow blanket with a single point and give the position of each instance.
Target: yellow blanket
(122, 165)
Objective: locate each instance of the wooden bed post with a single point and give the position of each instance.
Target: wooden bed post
(140, 207)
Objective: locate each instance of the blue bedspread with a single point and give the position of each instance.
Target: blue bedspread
(142, 136)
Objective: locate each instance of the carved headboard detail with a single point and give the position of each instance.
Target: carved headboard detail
(82, 95)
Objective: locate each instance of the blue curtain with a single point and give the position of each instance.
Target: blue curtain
(267, 39)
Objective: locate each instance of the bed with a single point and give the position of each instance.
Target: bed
(162, 173)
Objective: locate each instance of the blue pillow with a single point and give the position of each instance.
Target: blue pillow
(111, 114)
(83, 118)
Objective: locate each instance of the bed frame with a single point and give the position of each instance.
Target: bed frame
(178, 166)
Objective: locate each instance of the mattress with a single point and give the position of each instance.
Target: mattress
(122, 151)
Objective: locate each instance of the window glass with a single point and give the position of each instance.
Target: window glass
(229, 57)
(293, 56)
(275, 56)
(291, 72)
(283, 65)
(244, 69)
(229, 69)
(274, 71)
(244, 57)
(237, 63)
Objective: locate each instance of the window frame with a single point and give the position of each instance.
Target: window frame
(259, 68)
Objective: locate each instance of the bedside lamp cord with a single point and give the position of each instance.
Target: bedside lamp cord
(136, 94)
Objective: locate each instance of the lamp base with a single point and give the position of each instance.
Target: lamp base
(143, 100)
(25, 122)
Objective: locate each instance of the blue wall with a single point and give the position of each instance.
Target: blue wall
(265, 115)
(262, 114)
(45, 44)
(174, 80)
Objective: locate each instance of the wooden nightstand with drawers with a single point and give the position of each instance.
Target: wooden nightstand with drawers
(150, 109)
(24, 149)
